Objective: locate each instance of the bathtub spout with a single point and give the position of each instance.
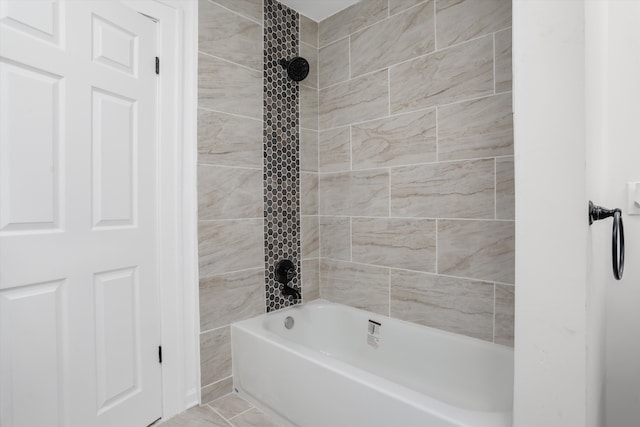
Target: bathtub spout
(289, 291)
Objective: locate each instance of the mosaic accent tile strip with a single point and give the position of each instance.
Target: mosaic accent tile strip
(281, 150)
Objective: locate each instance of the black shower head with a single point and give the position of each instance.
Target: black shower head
(297, 68)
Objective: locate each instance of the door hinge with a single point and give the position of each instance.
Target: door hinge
(157, 65)
(160, 354)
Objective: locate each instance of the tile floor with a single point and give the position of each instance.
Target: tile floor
(227, 411)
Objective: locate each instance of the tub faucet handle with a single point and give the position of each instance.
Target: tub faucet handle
(285, 272)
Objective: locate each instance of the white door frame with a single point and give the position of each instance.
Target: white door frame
(177, 199)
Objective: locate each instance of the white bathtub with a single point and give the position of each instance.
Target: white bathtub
(328, 370)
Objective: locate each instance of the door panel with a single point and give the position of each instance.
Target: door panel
(39, 19)
(117, 336)
(29, 154)
(114, 145)
(79, 319)
(31, 353)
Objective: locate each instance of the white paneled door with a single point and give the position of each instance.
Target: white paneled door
(79, 316)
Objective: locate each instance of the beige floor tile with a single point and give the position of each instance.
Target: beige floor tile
(253, 418)
(199, 416)
(230, 405)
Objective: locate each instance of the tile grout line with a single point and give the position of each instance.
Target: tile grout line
(437, 247)
(349, 51)
(389, 15)
(229, 219)
(389, 291)
(495, 188)
(405, 61)
(435, 25)
(417, 218)
(212, 110)
(388, 92)
(219, 414)
(494, 312)
(461, 101)
(243, 412)
(215, 382)
(381, 168)
(389, 189)
(230, 167)
(429, 273)
(230, 62)
(255, 21)
(494, 63)
(215, 329)
(437, 108)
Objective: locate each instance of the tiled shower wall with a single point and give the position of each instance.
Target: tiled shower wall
(230, 181)
(416, 195)
(405, 159)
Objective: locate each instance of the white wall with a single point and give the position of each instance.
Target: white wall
(551, 211)
(623, 159)
(599, 237)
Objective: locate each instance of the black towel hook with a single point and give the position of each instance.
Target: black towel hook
(597, 213)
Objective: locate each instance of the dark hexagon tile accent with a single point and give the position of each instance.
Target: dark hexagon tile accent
(281, 150)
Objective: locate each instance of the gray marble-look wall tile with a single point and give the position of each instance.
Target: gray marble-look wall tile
(462, 20)
(308, 31)
(396, 140)
(455, 305)
(310, 53)
(477, 249)
(333, 61)
(227, 87)
(393, 40)
(479, 128)
(229, 36)
(308, 150)
(308, 193)
(249, 8)
(356, 100)
(309, 240)
(216, 390)
(227, 298)
(503, 60)
(393, 242)
(230, 245)
(310, 279)
(505, 314)
(335, 237)
(451, 75)
(335, 150)
(505, 189)
(228, 193)
(215, 355)
(229, 140)
(360, 286)
(362, 193)
(444, 190)
(351, 19)
(396, 6)
(308, 107)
